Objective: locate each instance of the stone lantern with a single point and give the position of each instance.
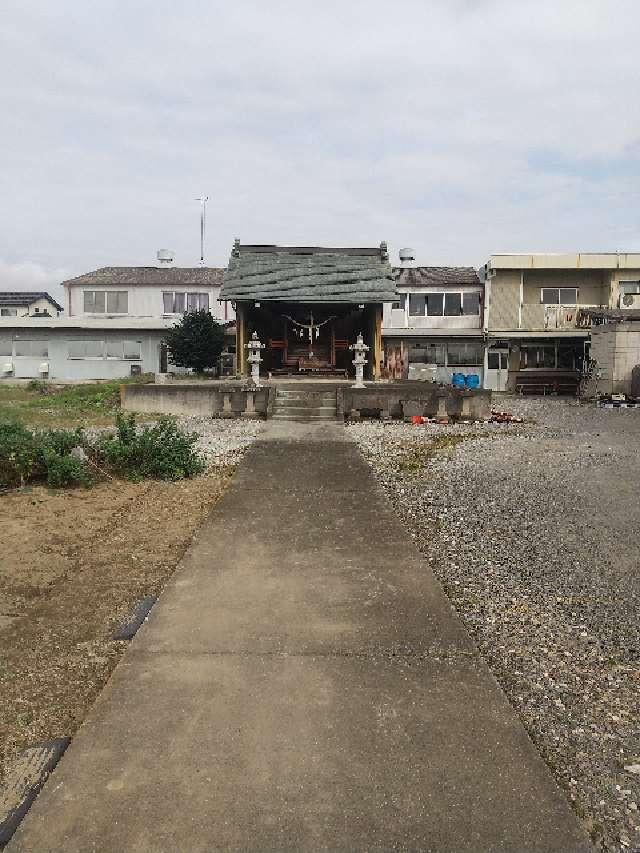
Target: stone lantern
(359, 349)
(254, 346)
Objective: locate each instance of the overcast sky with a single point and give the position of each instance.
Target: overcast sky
(460, 128)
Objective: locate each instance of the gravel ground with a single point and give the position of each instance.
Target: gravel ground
(222, 442)
(533, 531)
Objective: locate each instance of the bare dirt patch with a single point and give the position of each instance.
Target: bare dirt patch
(73, 563)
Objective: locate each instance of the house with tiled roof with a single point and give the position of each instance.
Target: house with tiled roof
(433, 328)
(28, 304)
(114, 324)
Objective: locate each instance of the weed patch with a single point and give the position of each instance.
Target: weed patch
(418, 455)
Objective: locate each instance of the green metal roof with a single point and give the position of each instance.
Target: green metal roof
(308, 274)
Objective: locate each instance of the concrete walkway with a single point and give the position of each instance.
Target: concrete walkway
(302, 684)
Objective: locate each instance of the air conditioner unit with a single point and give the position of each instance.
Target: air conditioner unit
(630, 300)
(136, 369)
(43, 369)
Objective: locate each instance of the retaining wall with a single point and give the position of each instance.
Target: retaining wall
(405, 398)
(187, 398)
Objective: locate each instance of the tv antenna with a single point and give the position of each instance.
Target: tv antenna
(203, 199)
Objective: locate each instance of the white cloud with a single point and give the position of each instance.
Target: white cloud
(458, 127)
(29, 276)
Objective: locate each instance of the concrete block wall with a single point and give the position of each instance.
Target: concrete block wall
(185, 398)
(406, 398)
(616, 349)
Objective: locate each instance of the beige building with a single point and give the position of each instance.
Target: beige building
(535, 324)
(615, 347)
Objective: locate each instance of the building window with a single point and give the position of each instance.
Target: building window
(630, 287)
(435, 302)
(497, 360)
(85, 349)
(106, 301)
(445, 304)
(464, 354)
(32, 349)
(452, 304)
(8, 312)
(131, 350)
(559, 296)
(123, 350)
(538, 356)
(416, 304)
(424, 353)
(471, 303)
(179, 302)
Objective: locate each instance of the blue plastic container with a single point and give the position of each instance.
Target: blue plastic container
(458, 380)
(472, 380)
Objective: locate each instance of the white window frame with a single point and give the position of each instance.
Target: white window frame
(558, 289)
(106, 294)
(18, 341)
(444, 294)
(72, 341)
(200, 297)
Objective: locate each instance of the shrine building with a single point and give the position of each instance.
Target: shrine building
(307, 306)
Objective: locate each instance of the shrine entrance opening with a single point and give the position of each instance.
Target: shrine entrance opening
(307, 339)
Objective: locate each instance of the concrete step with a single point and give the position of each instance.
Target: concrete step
(306, 404)
(304, 411)
(305, 417)
(305, 396)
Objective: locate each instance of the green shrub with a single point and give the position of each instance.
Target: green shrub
(65, 470)
(27, 456)
(162, 451)
(18, 455)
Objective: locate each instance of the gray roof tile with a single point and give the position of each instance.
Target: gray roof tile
(435, 276)
(22, 299)
(165, 276)
(308, 274)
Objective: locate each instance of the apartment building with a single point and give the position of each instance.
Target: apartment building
(434, 328)
(536, 314)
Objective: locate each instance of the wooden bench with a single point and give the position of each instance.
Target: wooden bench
(547, 382)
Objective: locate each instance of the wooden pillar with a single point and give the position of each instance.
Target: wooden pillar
(241, 339)
(376, 340)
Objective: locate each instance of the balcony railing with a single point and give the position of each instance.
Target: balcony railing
(537, 317)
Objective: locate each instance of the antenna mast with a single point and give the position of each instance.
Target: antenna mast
(203, 199)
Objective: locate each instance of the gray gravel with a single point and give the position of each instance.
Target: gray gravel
(533, 531)
(222, 442)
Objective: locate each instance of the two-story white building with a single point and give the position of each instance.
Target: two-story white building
(114, 323)
(434, 328)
